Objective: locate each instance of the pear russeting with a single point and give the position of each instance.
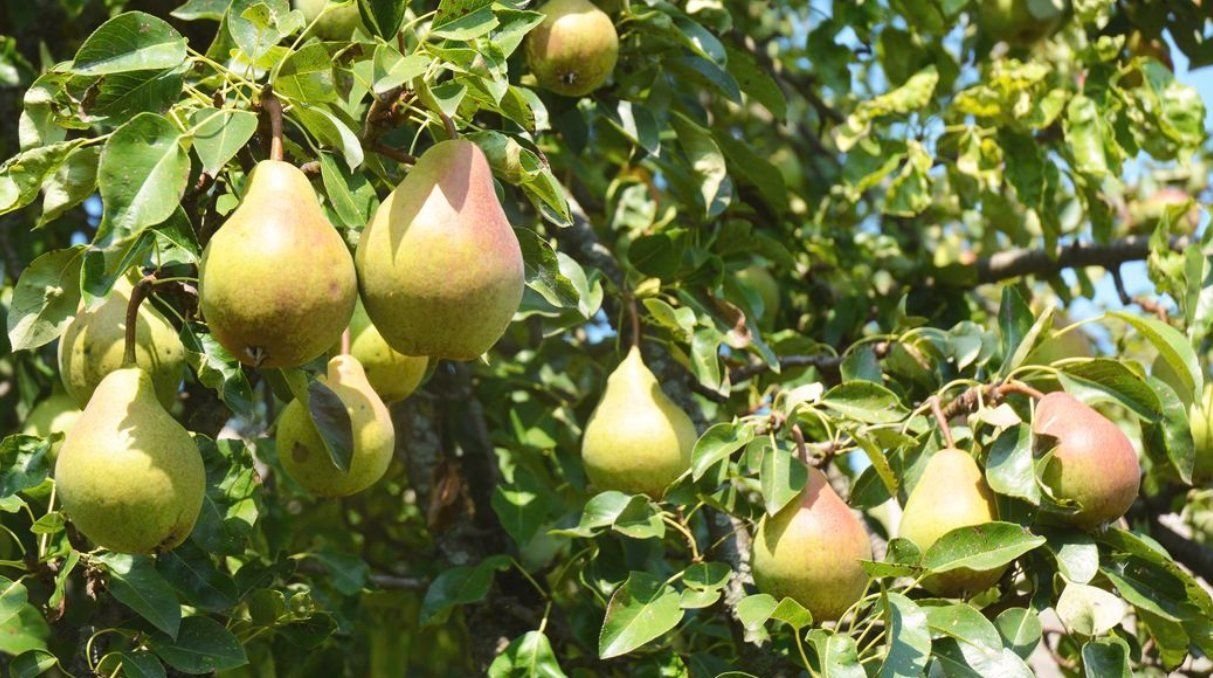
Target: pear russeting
(130, 477)
(1093, 463)
(393, 375)
(951, 493)
(93, 345)
(637, 440)
(439, 266)
(811, 551)
(574, 50)
(302, 452)
(276, 283)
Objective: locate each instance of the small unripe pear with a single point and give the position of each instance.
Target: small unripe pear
(301, 450)
(951, 493)
(393, 375)
(1093, 462)
(130, 477)
(56, 414)
(760, 280)
(93, 343)
(574, 50)
(1019, 22)
(637, 440)
(811, 551)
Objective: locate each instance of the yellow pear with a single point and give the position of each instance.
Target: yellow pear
(637, 440)
(56, 414)
(574, 50)
(393, 375)
(276, 283)
(301, 449)
(93, 343)
(130, 477)
(951, 493)
(439, 267)
(810, 552)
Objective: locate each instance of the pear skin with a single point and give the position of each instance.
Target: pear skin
(637, 440)
(574, 50)
(1200, 419)
(439, 266)
(1019, 22)
(276, 283)
(130, 477)
(951, 493)
(393, 375)
(1093, 463)
(56, 414)
(93, 343)
(760, 280)
(301, 450)
(810, 552)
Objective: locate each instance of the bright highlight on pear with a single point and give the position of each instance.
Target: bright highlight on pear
(951, 493)
(1093, 462)
(810, 552)
(393, 375)
(92, 346)
(130, 477)
(301, 449)
(637, 440)
(276, 282)
(574, 50)
(439, 266)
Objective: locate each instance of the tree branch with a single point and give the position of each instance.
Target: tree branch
(1019, 262)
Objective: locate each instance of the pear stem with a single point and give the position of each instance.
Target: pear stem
(634, 313)
(449, 124)
(345, 342)
(138, 294)
(946, 430)
(1021, 388)
(802, 450)
(273, 109)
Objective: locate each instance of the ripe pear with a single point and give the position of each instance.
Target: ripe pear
(951, 493)
(439, 266)
(1200, 419)
(760, 280)
(637, 440)
(810, 552)
(393, 375)
(1093, 462)
(276, 282)
(574, 50)
(56, 414)
(93, 343)
(129, 475)
(338, 23)
(1019, 22)
(301, 449)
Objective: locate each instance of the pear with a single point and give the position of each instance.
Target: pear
(810, 552)
(1093, 462)
(637, 440)
(393, 375)
(1073, 344)
(439, 266)
(56, 414)
(129, 475)
(93, 343)
(1019, 22)
(762, 283)
(338, 23)
(276, 282)
(951, 493)
(301, 449)
(1200, 418)
(574, 50)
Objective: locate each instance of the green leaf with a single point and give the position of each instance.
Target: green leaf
(1174, 350)
(1106, 658)
(837, 654)
(1009, 467)
(24, 463)
(134, 582)
(459, 586)
(332, 421)
(1104, 378)
(527, 656)
(307, 75)
(909, 638)
(756, 81)
(464, 20)
(75, 180)
(219, 135)
(142, 665)
(980, 547)
(782, 476)
(22, 175)
(643, 609)
(45, 298)
(123, 95)
(383, 17)
(1076, 553)
(1089, 610)
(22, 627)
(190, 571)
(718, 443)
(332, 132)
(133, 41)
(350, 194)
(543, 272)
(257, 26)
(230, 507)
(1020, 630)
(964, 623)
(865, 401)
(958, 658)
(707, 164)
(32, 663)
(391, 69)
(202, 646)
(707, 576)
(142, 176)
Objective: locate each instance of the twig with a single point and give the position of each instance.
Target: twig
(310, 168)
(393, 153)
(273, 109)
(824, 362)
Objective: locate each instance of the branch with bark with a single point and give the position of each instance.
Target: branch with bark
(1018, 262)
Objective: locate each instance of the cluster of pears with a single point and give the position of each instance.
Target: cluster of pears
(574, 50)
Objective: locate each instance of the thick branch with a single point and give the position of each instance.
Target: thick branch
(1020, 262)
(1197, 558)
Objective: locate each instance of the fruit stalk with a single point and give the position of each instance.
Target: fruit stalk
(449, 124)
(345, 342)
(273, 110)
(634, 312)
(937, 410)
(802, 450)
(138, 293)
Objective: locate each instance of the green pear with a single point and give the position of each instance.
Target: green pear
(574, 50)
(1074, 343)
(439, 266)
(56, 414)
(1019, 22)
(130, 477)
(338, 23)
(951, 493)
(276, 283)
(637, 440)
(1200, 416)
(810, 552)
(393, 375)
(1093, 462)
(301, 450)
(94, 342)
(762, 283)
